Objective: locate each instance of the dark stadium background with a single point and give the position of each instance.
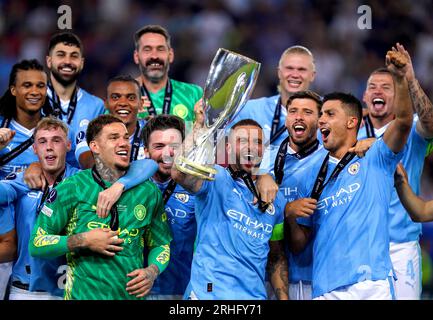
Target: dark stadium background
(260, 29)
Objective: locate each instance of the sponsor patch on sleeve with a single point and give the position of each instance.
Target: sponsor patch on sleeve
(47, 211)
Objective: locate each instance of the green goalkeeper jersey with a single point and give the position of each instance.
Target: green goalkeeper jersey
(184, 97)
(71, 209)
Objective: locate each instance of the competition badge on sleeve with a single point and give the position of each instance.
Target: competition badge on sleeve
(229, 85)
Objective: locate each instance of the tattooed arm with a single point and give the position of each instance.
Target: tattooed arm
(277, 269)
(421, 103)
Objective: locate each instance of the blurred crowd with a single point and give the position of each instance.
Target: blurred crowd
(261, 29)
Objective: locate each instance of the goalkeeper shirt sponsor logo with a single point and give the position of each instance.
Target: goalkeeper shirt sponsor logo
(122, 232)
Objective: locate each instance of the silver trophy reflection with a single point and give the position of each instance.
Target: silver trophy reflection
(229, 85)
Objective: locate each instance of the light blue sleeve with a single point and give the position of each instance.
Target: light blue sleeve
(6, 218)
(7, 193)
(139, 171)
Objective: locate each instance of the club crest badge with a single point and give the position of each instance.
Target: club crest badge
(354, 168)
(182, 197)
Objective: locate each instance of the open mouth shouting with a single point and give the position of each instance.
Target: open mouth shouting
(378, 104)
(325, 133)
(299, 129)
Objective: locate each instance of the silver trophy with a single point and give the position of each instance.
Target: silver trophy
(229, 85)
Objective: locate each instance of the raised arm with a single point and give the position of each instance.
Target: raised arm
(48, 238)
(398, 131)
(189, 182)
(139, 171)
(418, 209)
(421, 103)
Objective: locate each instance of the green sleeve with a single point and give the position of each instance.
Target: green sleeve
(158, 236)
(159, 256)
(48, 238)
(278, 232)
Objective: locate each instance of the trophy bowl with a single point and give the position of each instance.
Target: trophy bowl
(228, 87)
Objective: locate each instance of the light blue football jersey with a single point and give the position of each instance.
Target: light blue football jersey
(351, 220)
(40, 274)
(6, 218)
(401, 226)
(300, 265)
(262, 110)
(23, 160)
(232, 242)
(88, 108)
(181, 219)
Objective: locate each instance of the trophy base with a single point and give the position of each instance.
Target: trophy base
(194, 169)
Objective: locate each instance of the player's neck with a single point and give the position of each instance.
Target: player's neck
(238, 168)
(64, 93)
(298, 147)
(339, 152)
(108, 174)
(154, 86)
(381, 122)
(160, 177)
(28, 121)
(52, 176)
(131, 127)
(284, 97)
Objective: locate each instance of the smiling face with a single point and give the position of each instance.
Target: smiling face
(65, 63)
(51, 145)
(302, 121)
(112, 146)
(123, 101)
(163, 144)
(295, 73)
(30, 90)
(245, 146)
(379, 96)
(153, 56)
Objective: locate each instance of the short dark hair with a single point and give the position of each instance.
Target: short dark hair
(96, 125)
(67, 38)
(151, 28)
(307, 94)
(350, 103)
(125, 78)
(8, 101)
(162, 122)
